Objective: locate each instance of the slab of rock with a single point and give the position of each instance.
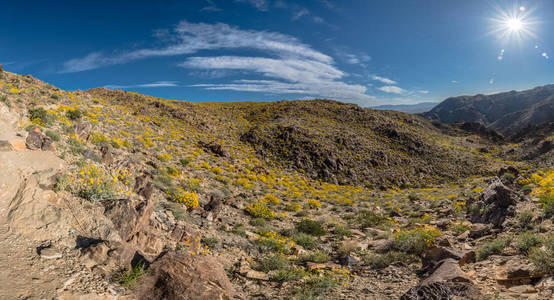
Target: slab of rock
(435, 255)
(34, 140)
(517, 269)
(446, 281)
(494, 205)
(478, 230)
(251, 274)
(180, 276)
(6, 146)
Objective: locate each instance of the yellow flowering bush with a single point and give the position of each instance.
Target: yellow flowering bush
(417, 239)
(14, 91)
(271, 199)
(163, 157)
(312, 203)
(273, 241)
(259, 209)
(180, 195)
(92, 183)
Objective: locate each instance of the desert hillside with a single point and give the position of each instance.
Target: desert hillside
(505, 112)
(108, 194)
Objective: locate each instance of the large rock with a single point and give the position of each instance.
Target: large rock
(494, 204)
(82, 130)
(129, 216)
(181, 276)
(446, 281)
(34, 140)
(435, 255)
(517, 269)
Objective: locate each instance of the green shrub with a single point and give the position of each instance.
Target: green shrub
(39, 116)
(543, 258)
(316, 257)
(288, 274)
(315, 287)
(491, 248)
(273, 262)
(416, 240)
(128, 278)
(367, 218)
(525, 219)
(341, 231)
(53, 135)
(258, 222)
(526, 241)
(380, 261)
(97, 193)
(547, 205)
(62, 183)
(73, 114)
(311, 227)
(184, 162)
(305, 240)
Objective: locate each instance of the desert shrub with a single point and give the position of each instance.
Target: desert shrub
(380, 261)
(239, 229)
(294, 206)
(341, 231)
(459, 227)
(93, 184)
(184, 162)
(315, 287)
(526, 241)
(273, 262)
(128, 278)
(179, 195)
(547, 205)
(163, 182)
(179, 213)
(260, 210)
(288, 274)
(492, 248)
(312, 203)
(416, 240)
(193, 184)
(62, 183)
(73, 114)
(316, 257)
(367, 218)
(258, 222)
(39, 116)
(163, 157)
(210, 242)
(525, 219)
(543, 258)
(305, 240)
(5, 100)
(272, 241)
(311, 227)
(53, 135)
(413, 197)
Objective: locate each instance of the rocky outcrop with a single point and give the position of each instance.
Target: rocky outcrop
(214, 148)
(494, 205)
(181, 276)
(445, 281)
(37, 140)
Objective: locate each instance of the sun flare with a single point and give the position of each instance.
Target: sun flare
(514, 24)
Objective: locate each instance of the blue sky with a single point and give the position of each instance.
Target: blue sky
(359, 51)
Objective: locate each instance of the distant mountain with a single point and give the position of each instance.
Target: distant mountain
(409, 108)
(504, 112)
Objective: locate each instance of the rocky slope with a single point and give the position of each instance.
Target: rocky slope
(505, 112)
(114, 195)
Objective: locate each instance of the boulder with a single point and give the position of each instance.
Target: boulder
(216, 149)
(180, 276)
(478, 230)
(433, 256)
(129, 216)
(82, 130)
(494, 205)
(517, 269)
(446, 281)
(34, 140)
(143, 186)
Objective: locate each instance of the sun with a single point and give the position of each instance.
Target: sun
(514, 25)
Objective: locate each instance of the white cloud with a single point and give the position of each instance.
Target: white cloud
(423, 91)
(289, 76)
(144, 85)
(300, 13)
(392, 89)
(192, 37)
(259, 4)
(383, 79)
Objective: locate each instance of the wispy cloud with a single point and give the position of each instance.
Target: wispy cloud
(193, 37)
(211, 6)
(156, 84)
(259, 4)
(392, 89)
(300, 13)
(423, 91)
(383, 80)
(286, 65)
